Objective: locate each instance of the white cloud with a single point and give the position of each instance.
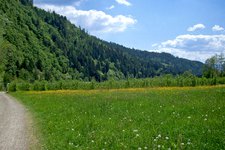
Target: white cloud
(111, 7)
(196, 27)
(194, 47)
(217, 28)
(92, 20)
(79, 2)
(123, 2)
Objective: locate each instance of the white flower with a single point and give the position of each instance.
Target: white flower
(189, 117)
(159, 136)
(139, 148)
(182, 143)
(145, 147)
(159, 146)
(135, 130)
(167, 138)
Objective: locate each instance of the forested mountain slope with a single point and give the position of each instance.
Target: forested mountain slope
(39, 45)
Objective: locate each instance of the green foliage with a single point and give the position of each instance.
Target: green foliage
(169, 118)
(184, 80)
(214, 66)
(27, 2)
(46, 46)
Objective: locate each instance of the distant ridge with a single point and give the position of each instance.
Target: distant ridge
(39, 45)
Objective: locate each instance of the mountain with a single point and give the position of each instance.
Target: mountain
(40, 45)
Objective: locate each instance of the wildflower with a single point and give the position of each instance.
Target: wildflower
(123, 130)
(137, 135)
(205, 119)
(182, 144)
(155, 140)
(159, 136)
(159, 146)
(167, 138)
(145, 147)
(189, 117)
(159, 111)
(139, 148)
(188, 143)
(72, 129)
(92, 141)
(135, 130)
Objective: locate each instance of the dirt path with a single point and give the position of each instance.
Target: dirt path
(13, 124)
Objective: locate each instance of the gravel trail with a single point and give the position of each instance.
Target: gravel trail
(13, 124)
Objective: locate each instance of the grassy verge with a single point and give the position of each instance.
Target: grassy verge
(176, 118)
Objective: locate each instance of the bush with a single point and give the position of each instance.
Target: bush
(163, 81)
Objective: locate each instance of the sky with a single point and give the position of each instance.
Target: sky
(192, 29)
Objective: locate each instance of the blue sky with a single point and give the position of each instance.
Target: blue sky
(192, 29)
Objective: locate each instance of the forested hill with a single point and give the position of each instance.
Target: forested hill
(39, 45)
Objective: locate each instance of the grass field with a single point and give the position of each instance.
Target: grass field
(154, 118)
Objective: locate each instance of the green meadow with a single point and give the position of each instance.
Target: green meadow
(138, 118)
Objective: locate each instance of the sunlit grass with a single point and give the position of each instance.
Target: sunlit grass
(152, 118)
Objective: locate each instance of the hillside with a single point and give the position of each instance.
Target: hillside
(39, 45)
